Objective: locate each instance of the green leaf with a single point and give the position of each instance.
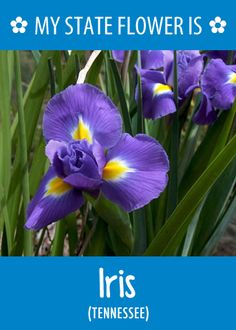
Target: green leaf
(121, 94)
(220, 228)
(28, 244)
(140, 232)
(213, 207)
(172, 233)
(72, 231)
(203, 155)
(93, 73)
(172, 196)
(116, 218)
(4, 219)
(140, 120)
(58, 242)
(98, 244)
(6, 64)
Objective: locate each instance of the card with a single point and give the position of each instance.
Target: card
(117, 165)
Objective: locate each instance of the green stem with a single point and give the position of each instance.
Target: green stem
(172, 199)
(140, 120)
(52, 77)
(28, 246)
(125, 67)
(121, 94)
(40, 241)
(58, 242)
(108, 75)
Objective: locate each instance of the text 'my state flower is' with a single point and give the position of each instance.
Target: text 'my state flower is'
(218, 89)
(88, 153)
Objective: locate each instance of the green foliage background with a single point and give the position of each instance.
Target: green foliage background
(189, 217)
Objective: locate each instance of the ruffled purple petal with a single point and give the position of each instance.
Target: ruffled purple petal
(147, 175)
(206, 114)
(169, 66)
(83, 182)
(76, 164)
(46, 207)
(190, 66)
(216, 84)
(118, 55)
(189, 72)
(85, 104)
(152, 59)
(52, 147)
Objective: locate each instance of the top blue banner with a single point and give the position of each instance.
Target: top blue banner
(121, 25)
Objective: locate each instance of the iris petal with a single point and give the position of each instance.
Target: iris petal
(206, 114)
(57, 187)
(115, 169)
(54, 200)
(216, 84)
(157, 96)
(82, 112)
(147, 177)
(82, 132)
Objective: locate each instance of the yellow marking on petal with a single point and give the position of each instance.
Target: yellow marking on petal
(197, 90)
(232, 79)
(161, 89)
(82, 132)
(57, 187)
(115, 169)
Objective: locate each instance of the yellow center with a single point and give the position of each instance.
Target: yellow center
(57, 187)
(161, 89)
(114, 170)
(233, 78)
(82, 132)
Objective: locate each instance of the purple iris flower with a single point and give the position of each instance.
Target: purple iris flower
(158, 100)
(218, 89)
(88, 153)
(150, 59)
(157, 95)
(190, 67)
(206, 114)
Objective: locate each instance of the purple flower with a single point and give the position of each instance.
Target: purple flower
(157, 86)
(88, 153)
(206, 114)
(150, 59)
(190, 67)
(218, 89)
(157, 95)
(219, 83)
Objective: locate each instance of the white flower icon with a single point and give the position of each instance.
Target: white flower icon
(19, 25)
(217, 25)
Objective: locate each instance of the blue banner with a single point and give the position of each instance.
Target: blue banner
(100, 25)
(118, 293)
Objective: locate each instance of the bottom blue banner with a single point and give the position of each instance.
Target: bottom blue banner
(118, 293)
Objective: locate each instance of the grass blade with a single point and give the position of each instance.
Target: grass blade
(172, 198)
(121, 94)
(28, 246)
(175, 228)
